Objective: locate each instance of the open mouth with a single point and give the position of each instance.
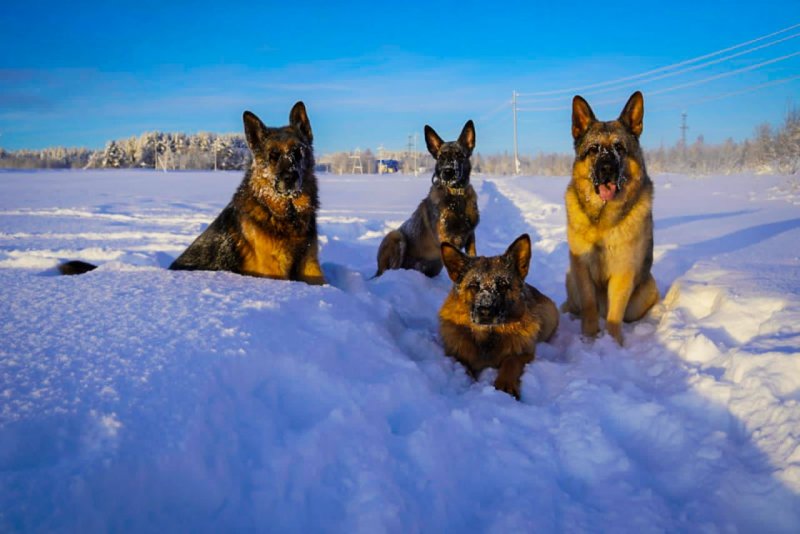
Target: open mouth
(607, 191)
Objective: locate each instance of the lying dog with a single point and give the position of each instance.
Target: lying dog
(492, 318)
(448, 214)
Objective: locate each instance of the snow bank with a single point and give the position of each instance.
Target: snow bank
(134, 398)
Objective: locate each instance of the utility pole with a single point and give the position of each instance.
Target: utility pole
(356, 157)
(412, 150)
(214, 146)
(514, 109)
(415, 154)
(684, 127)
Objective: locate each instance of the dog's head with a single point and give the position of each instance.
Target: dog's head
(452, 158)
(490, 287)
(609, 149)
(283, 156)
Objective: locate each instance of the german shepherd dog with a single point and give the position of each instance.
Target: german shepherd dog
(492, 318)
(449, 212)
(609, 221)
(269, 228)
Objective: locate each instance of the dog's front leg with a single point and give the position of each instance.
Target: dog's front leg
(620, 287)
(509, 375)
(310, 271)
(590, 323)
(471, 248)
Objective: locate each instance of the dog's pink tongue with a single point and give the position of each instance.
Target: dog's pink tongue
(608, 191)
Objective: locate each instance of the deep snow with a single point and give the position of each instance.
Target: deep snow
(135, 398)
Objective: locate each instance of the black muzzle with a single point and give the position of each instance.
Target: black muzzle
(607, 170)
(289, 183)
(487, 310)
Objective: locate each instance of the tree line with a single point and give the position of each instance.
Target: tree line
(770, 149)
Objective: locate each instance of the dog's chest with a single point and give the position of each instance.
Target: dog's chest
(457, 218)
(267, 254)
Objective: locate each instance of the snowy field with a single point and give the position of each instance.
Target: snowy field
(133, 398)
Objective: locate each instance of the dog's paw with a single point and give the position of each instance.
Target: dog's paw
(615, 331)
(590, 327)
(508, 385)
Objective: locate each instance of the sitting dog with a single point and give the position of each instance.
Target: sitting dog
(609, 221)
(492, 318)
(269, 228)
(449, 212)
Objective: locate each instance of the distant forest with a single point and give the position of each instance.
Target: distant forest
(769, 150)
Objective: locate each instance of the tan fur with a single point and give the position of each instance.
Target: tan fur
(530, 316)
(610, 243)
(275, 245)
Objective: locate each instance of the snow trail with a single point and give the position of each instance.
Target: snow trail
(134, 398)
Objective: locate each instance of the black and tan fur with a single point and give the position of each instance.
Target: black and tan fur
(609, 221)
(448, 214)
(492, 318)
(269, 228)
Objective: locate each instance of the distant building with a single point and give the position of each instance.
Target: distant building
(388, 166)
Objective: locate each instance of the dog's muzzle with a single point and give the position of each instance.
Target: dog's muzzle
(486, 310)
(289, 183)
(451, 176)
(607, 175)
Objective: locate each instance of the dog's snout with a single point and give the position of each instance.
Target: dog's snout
(288, 181)
(484, 304)
(606, 168)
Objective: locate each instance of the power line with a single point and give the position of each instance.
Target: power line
(674, 73)
(721, 96)
(679, 86)
(725, 74)
(660, 69)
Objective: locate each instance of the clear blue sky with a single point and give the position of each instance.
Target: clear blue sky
(370, 73)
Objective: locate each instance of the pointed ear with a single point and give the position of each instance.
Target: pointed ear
(254, 131)
(298, 119)
(454, 261)
(632, 114)
(467, 137)
(582, 116)
(433, 141)
(519, 254)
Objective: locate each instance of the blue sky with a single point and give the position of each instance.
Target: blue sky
(80, 73)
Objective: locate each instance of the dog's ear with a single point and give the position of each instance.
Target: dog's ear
(519, 254)
(433, 141)
(298, 119)
(454, 261)
(582, 116)
(632, 115)
(255, 132)
(467, 137)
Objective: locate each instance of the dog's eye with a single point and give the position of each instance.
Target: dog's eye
(592, 150)
(274, 156)
(474, 285)
(502, 284)
(297, 153)
(619, 147)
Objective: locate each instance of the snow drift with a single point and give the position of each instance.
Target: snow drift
(134, 398)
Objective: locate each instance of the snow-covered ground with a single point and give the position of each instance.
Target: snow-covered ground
(134, 398)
